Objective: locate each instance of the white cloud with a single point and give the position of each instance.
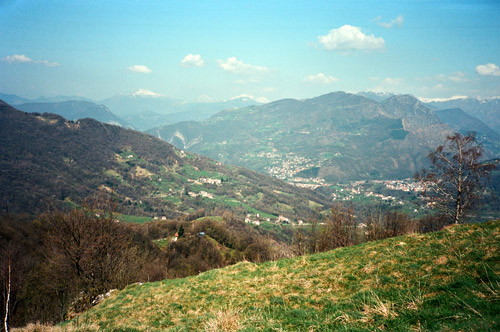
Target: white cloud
(146, 93)
(388, 84)
(349, 37)
(236, 66)
(458, 77)
(269, 89)
(140, 69)
(46, 63)
(441, 77)
(321, 78)
(247, 81)
(192, 60)
(17, 58)
(395, 23)
(392, 80)
(489, 69)
(21, 58)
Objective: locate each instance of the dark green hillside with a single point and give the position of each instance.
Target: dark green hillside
(346, 136)
(46, 158)
(444, 281)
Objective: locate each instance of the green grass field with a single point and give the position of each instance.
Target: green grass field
(133, 219)
(444, 281)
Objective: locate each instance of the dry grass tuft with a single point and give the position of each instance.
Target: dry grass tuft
(227, 321)
(378, 308)
(441, 260)
(369, 268)
(38, 327)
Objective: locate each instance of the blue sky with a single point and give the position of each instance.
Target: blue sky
(214, 50)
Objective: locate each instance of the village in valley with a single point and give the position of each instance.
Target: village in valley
(403, 193)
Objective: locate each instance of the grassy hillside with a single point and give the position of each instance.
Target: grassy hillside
(445, 281)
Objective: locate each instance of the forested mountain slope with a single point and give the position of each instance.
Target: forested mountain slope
(339, 136)
(45, 158)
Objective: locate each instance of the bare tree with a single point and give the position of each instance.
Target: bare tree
(456, 176)
(382, 225)
(340, 228)
(13, 271)
(87, 248)
(8, 290)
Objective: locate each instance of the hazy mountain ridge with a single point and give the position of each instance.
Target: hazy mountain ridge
(347, 136)
(45, 158)
(486, 110)
(461, 120)
(75, 110)
(376, 96)
(12, 99)
(141, 110)
(416, 118)
(148, 111)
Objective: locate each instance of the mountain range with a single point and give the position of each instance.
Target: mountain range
(464, 123)
(75, 110)
(486, 110)
(338, 136)
(46, 159)
(145, 110)
(140, 110)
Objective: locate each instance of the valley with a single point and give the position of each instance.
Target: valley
(240, 166)
(335, 137)
(173, 213)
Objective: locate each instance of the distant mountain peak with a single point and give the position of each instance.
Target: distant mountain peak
(147, 93)
(459, 97)
(336, 96)
(247, 97)
(404, 105)
(405, 97)
(376, 96)
(429, 100)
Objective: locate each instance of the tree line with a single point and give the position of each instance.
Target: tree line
(57, 265)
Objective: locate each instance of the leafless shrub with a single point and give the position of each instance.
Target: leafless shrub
(340, 228)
